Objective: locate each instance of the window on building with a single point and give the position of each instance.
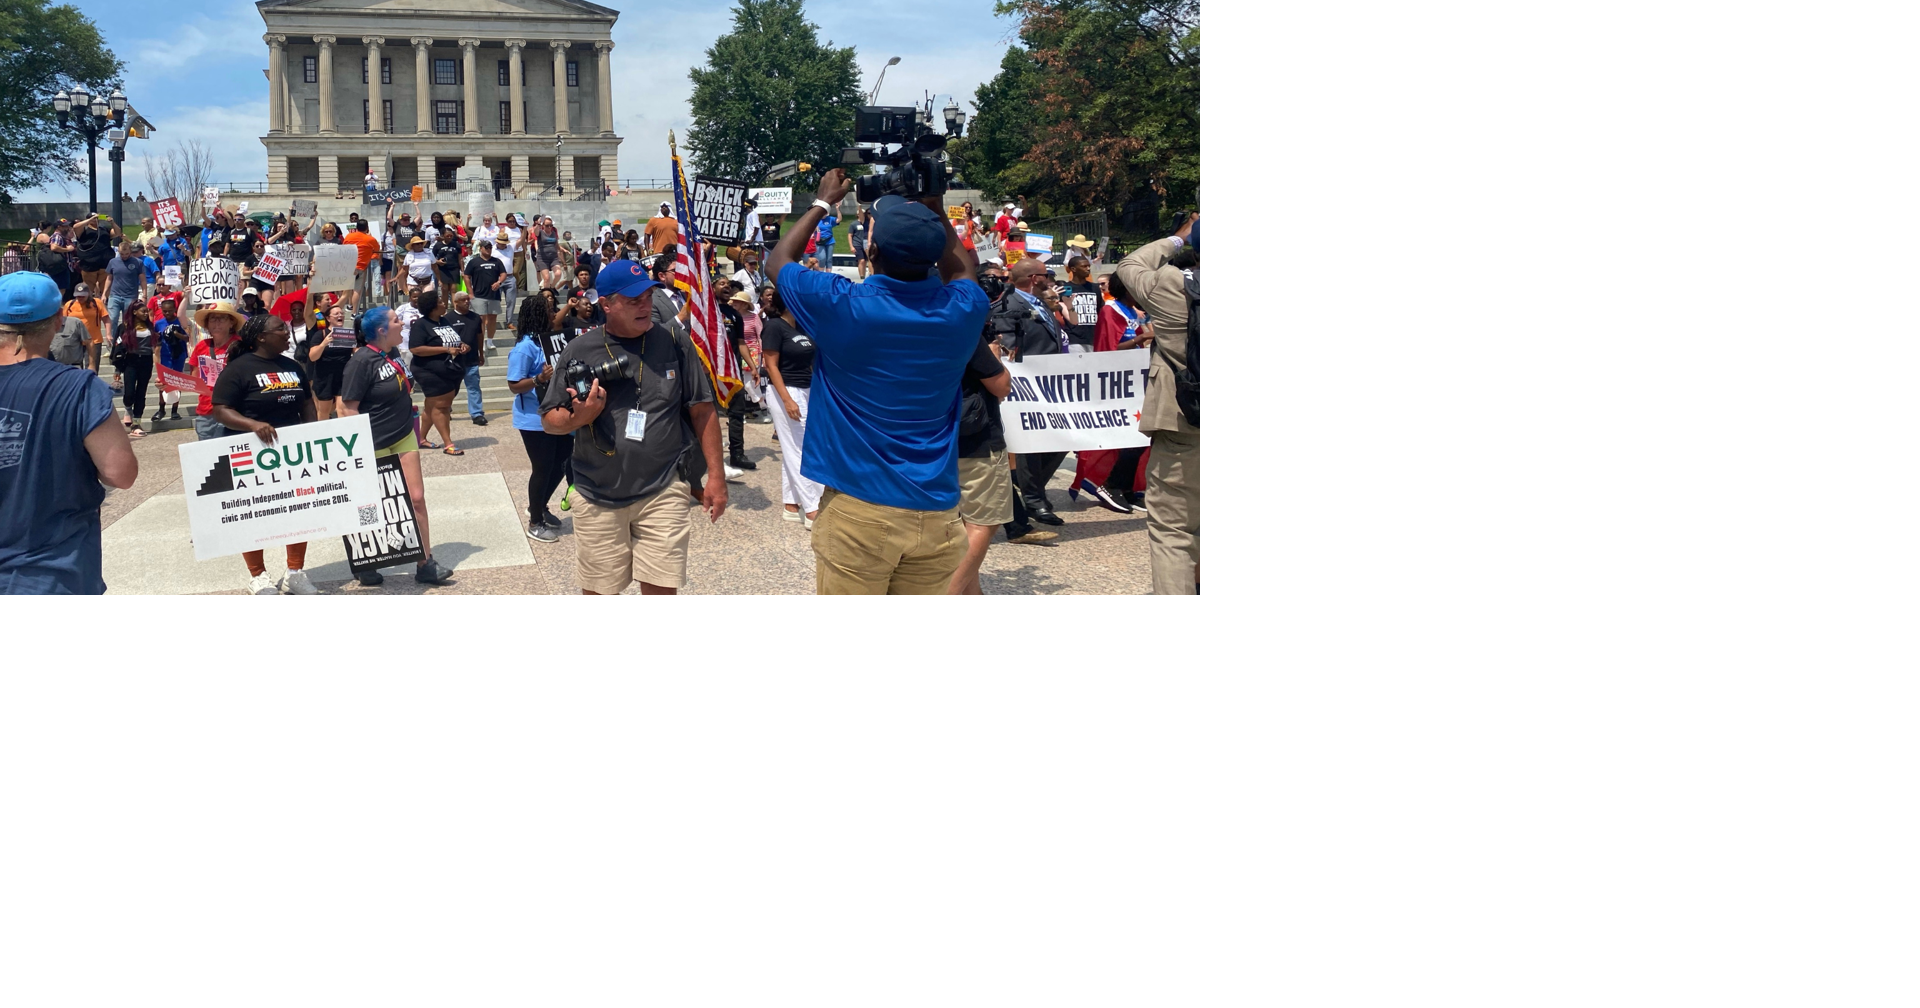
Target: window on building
(506, 117)
(311, 66)
(573, 74)
(505, 78)
(447, 118)
(386, 70)
(446, 71)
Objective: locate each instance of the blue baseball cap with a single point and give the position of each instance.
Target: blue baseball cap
(26, 296)
(908, 233)
(623, 276)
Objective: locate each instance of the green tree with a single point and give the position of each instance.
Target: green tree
(771, 92)
(1098, 106)
(44, 49)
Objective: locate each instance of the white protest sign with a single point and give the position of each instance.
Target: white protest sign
(166, 213)
(299, 259)
(772, 201)
(305, 207)
(243, 206)
(171, 276)
(213, 279)
(316, 480)
(333, 268)
(1076, 402)
(1039, 243)
(269, 268)
(211, 197)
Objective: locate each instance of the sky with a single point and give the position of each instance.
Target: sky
(199, 77)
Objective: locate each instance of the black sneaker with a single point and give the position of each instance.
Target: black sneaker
(370, 578)
(740, 462)
(1103, 497)
(481, 420)
(431, 572)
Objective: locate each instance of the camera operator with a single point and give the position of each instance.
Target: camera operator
(884, 410)
(645, 438)
(1156, 276)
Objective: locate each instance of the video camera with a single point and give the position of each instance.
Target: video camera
(915, 170)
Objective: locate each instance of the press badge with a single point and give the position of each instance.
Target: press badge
(636, 424)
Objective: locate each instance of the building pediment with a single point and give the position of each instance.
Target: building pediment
(439, 8)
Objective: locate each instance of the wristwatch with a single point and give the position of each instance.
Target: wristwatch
(824, 205)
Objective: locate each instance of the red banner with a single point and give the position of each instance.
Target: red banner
(166, 213)
(178, 381)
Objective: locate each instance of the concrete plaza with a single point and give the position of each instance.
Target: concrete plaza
(476, 507)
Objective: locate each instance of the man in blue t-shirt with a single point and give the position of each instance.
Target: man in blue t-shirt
(883, 420)
(58, 443)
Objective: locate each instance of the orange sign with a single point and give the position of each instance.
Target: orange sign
(417, 193)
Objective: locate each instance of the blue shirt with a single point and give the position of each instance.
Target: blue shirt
(50, 492)
(525, 362)
(153, 268)
(173, 252)
(884, 412)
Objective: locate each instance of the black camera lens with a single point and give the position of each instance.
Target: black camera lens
(581, 376)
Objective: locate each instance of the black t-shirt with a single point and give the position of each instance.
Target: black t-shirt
(240, 246)
(670, 377)
(482, 271)
(267, 389)
(769, 232)
(426, 333)
(857, 233)
(981, 366)
(736, 331)
(1081, 302)
(472, 330)
(573, 325)
(795, 350)
(377, 385)
(447, 252)
(402, 234)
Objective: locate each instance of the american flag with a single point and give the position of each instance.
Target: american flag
(692, 273)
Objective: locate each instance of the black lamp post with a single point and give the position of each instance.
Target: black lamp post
(90, 119)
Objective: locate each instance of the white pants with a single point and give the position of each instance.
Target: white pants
(794, 488)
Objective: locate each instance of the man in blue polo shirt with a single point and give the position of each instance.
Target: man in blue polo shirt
(883, 422)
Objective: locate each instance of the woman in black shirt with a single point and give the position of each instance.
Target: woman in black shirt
(376, 384)
(327, 358)
(439, 363)
(260, 391)
(788, 354)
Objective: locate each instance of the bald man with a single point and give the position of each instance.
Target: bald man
(1025, 328)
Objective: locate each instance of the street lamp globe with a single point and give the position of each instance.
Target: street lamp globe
(61, 103)
(118, 101)
(98, 106)
(952, 113)
(959, 122)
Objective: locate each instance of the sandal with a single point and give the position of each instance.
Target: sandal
(430, 446)
(135, 433)
(454, 451)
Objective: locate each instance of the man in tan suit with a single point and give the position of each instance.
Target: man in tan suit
(1173, 469)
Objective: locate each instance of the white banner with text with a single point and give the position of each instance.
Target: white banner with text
(1076, 402)
(316, 480)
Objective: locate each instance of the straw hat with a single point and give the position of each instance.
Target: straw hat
(226, 308)
(741, 295)
(416, 242)
(1079, 241)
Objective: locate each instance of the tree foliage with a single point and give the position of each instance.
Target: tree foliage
(1098, 106)
(44, 49)
(771, 92)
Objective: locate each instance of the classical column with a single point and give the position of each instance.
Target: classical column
(376, 121)
(472, 93)
(516, 91)
(277, 173)
(429, 175)
(610, 169)
(559, 85)
(521, 170)
(603, 49)
(276, 83)
(422, 86)
(329, 175)
(327, 123)
(563, 172)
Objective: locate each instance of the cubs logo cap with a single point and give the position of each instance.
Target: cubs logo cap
(625, 277)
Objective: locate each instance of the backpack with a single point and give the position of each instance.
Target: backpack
(70, 343)
(1186, 381)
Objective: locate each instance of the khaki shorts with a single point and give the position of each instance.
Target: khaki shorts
(986, 490)
(644, 541)
(862, 548)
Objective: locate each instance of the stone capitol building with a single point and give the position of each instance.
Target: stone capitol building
(426, 92)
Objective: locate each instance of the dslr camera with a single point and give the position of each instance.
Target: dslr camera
(580, 375)
(915, 169)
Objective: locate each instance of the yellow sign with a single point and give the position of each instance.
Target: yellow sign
(956, 213)
(1012, 255)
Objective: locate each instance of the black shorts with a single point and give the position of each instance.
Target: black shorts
(434, 381)
(859, 253)
(327, 372)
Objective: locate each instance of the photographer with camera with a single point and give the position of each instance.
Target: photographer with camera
(883, 414)
(638, 403)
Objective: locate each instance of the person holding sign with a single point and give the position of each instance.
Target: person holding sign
(328, 360)
(260, 391)
(439, 365)
(376, 384)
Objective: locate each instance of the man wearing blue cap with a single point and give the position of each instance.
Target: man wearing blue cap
(58, 443)
(644, 439)
(883, 421)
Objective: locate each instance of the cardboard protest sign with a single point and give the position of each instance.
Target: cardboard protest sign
(305, 207)
(316, 480)
(719, 209)
(772, 201)
(166, 213)
(268, 268)
(394, 538)
(1075, 402)
(333, 268)
(213, 279)
(170, 275)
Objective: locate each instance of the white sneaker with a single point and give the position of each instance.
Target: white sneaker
(793, 516)
(733, 475)
(261, 584)
(296, 583)
(809, 525)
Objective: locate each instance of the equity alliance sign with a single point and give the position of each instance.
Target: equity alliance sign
(313, 481)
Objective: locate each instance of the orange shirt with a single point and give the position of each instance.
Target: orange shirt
(368, 245)
(94, 318)
(662, 232)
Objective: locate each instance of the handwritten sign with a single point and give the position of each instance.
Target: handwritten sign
(212, 279)
(210, 196)
(166, 213)
(333, 268)
(170, 276)
(955, 213)
(389, 195)
(305, 208)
